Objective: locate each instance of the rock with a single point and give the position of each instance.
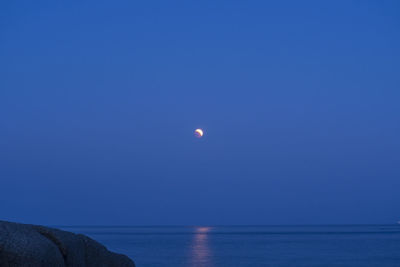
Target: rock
(32, 245)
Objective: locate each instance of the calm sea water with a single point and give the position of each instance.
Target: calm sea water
(366, 245)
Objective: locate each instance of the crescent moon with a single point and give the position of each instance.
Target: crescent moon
(199, 132)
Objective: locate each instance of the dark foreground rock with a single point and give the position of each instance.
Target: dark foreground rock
(32, 245)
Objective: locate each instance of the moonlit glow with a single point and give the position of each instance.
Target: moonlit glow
(198, 133)
(203, 229)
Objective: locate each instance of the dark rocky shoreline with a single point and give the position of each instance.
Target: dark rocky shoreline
(33, 245)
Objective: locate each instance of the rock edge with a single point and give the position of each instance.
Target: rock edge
(33, 245)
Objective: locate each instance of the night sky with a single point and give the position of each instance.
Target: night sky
(299, 102)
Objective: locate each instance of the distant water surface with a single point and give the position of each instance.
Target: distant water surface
(198, 246)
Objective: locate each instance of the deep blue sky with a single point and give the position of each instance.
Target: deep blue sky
(299, 100)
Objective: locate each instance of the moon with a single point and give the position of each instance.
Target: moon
(198, 133)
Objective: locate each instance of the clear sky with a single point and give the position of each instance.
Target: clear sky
(299, 102)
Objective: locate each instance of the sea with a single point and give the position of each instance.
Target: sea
(214, 246)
